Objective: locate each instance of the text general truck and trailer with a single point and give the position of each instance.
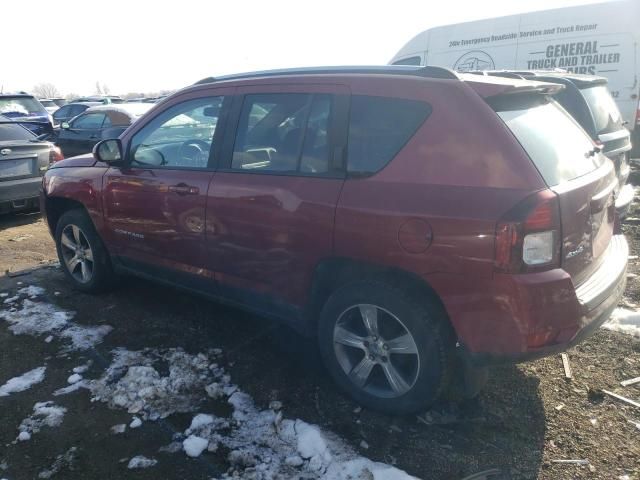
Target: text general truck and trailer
(597, 39)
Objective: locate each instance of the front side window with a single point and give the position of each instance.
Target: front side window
(90, 121)
(181, 136)
(378, 128)
(283, 132)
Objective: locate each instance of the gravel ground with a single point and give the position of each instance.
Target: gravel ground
(528, 416)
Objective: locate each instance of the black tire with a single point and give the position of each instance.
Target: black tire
(102, 274)
(423, 318)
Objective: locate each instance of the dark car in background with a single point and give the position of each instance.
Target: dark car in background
(23, 161)
(71, 110)
(96, 123)
(588, 100)
(49, 105)
(26, 110)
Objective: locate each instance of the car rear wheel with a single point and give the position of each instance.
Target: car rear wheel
(389, 350)
(82, 255)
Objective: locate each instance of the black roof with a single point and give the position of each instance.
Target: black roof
(578, 79)
(428, 71)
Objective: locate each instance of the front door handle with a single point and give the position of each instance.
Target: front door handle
(184, 189)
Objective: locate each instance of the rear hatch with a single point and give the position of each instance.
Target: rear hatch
(609, 126)
(580, 176)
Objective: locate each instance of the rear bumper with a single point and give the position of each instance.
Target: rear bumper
(540, 314)
(19, 194)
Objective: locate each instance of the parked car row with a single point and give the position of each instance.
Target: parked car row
(421, 224)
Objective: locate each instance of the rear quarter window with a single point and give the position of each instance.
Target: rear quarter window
(555, 142)
(605, 112)
(378, 129)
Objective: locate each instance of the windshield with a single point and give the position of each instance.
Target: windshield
(557, 145)
(48, 103)
(604, 110)
(13, 131)
(21, 106)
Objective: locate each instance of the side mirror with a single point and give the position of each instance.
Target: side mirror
(108, 151)
(65, 125)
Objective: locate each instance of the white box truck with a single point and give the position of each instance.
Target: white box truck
(597, 39)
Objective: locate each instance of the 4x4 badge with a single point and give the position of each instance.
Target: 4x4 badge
(5, 151)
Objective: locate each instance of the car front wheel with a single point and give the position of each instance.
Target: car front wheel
(82, 255)
(389, 350)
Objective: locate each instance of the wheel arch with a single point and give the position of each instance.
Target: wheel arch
(333, 273)
(55, 207)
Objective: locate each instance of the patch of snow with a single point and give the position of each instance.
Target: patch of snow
(84, 338)
(45, 414)
(141, 461)
(24, 436)
(200, 420)
(23, 382)
(12, 299)
(48, 339)
(133, 382)
(120, 428)
(62, 461)
(262, 444)
(135, 423)
(194, 446)
(39, 318)
(71, 388)
(81, 368)
(31, 291)
(4, 295)
(75, 378)
(624, 321)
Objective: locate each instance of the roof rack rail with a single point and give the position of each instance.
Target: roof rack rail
(427, 72)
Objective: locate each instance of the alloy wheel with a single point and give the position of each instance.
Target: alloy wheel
(376, 351)
(77, 253)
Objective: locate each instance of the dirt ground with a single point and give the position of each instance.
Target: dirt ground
(528, 416)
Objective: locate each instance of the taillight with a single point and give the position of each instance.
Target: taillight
(528, 236)
(55, 155)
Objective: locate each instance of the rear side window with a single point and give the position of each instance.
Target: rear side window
(378, 128)
(557, 145)
(284, 133)
(604, 110)
(91, 121)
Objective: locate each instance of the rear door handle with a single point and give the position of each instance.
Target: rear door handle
(184, 189)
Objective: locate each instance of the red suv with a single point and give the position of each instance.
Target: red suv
(408, 217)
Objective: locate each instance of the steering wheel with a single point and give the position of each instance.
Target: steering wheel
(194, 153)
